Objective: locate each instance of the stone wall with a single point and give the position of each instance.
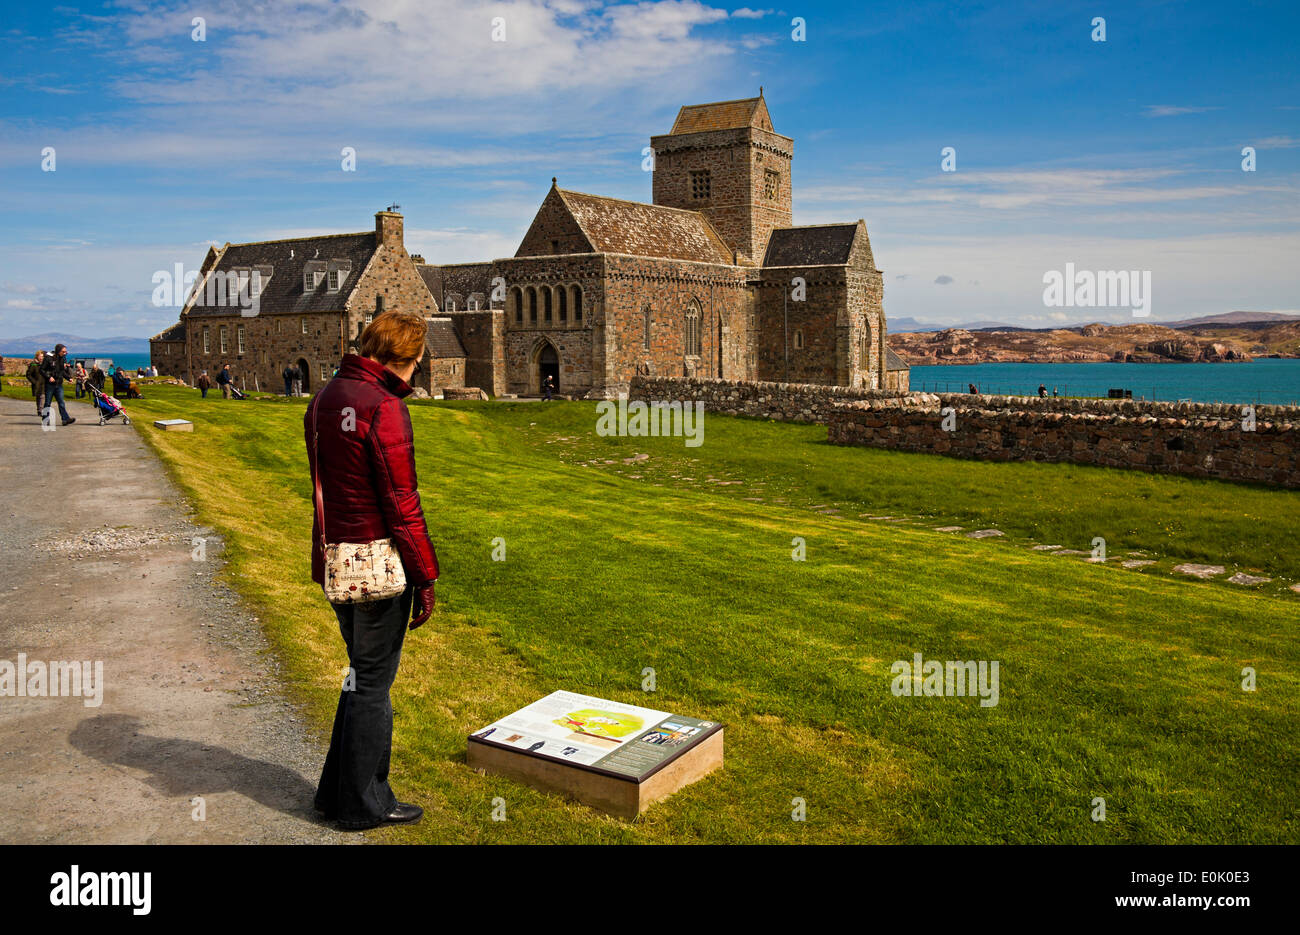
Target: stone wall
(483, 335)
(1195, 439)
(168, 357)
(785, 402)
(270, 342)
(668, 289)
(1199, 440)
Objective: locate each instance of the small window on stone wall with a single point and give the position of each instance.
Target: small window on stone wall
(700, 184)
(798, 340)
(646, 313)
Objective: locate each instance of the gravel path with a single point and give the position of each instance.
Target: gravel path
(101, 569)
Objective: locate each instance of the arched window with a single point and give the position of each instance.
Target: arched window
(564, 305)
(517, 301)
(546, 303)
(693, 330)
(577, 304)
(645, 312)
(798, 340)
(865, 363)
(532, 305)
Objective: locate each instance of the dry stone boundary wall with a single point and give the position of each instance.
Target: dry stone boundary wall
(1194, 439)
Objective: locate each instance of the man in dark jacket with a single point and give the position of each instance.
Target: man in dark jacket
(56, 369)
(289, 373)
(364, 462)
(224, 379)
(37, 379)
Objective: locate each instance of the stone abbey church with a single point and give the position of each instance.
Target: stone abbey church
(710, 280)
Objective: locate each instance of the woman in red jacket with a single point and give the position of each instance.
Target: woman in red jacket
(362, 452)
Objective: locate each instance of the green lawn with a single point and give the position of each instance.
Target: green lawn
(1114, 683)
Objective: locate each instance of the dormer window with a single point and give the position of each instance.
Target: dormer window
(312, 274)
(261, 275)
(337, 274)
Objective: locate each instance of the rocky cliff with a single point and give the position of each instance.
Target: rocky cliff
(1138, 343)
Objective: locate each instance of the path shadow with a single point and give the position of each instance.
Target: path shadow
(180, 767)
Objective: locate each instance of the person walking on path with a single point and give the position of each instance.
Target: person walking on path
(56, 369)
(224, 379)
(97, 378)
(288, 374)
(297, 380)
(79, 380)
(37, 379)
(361, 453)
(547, 386)
(204, 383)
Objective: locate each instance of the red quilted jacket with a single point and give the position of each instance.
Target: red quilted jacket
(367, 467)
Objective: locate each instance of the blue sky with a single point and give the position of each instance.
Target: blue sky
(1123, 154)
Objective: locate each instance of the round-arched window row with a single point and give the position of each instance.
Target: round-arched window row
(558, 306)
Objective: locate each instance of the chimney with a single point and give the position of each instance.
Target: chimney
(388, 229)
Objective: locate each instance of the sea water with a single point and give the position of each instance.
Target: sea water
(1266, 380)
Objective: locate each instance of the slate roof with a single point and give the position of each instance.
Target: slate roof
(283, 293)
(441, 339)
(175, 333)
(819, 245)
(893, 361)
(432, 276)
(723, 115)
(638, 229)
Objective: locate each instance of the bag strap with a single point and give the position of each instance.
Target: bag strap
(315, 462)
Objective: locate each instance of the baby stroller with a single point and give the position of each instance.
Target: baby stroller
(108, 406)
(237, 393)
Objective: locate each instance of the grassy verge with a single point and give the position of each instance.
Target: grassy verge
(1113, 683)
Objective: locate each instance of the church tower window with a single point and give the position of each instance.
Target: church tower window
(646, 338)
(700, 184)
(771, 184)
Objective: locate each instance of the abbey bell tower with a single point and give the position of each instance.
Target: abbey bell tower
(725, 161)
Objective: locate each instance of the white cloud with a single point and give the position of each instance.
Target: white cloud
(1171, 110)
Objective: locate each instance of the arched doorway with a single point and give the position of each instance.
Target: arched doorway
(306, 375)
(548, 364)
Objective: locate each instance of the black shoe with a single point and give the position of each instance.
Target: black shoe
(404, 812)
(401, 813)
(70, 421)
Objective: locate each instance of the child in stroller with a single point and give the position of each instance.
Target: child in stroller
(108, 406)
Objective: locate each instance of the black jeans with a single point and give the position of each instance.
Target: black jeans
(354, 783)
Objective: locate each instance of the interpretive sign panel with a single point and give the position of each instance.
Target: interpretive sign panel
(598, 737)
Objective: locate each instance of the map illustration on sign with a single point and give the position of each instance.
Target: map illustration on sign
(597, 733)
(613, 724)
